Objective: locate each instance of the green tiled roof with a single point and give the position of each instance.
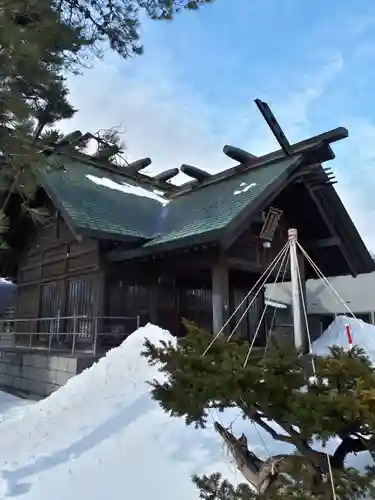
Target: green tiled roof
(215, 206)
(126, 211)
(98, 209)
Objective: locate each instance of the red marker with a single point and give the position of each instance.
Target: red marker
(349, 335)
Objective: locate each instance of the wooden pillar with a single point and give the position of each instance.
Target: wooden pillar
(153, 301)
(220, 295)
(177, 298)
(100, 311)
(100, 324)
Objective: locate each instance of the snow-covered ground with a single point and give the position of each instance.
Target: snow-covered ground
(11, 406)
(102, 436)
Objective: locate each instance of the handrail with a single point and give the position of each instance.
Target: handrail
(57, 318)
(91, 321)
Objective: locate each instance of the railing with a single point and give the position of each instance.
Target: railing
(66, 334)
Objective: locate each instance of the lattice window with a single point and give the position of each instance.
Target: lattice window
(81, 299)
(49, 309)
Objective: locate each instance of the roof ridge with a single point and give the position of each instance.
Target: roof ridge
(305, 146)
(141, 180)
(232, 173)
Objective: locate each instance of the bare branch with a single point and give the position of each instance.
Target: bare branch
(317, 459)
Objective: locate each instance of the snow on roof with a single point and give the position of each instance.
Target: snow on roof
(244, 187)
(102, 434)
(129, 188)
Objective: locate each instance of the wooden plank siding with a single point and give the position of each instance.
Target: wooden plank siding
(55, 271)
(59, 276)
(166, 300)
(248, 252)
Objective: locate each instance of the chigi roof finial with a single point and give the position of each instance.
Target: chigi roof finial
(274, 126)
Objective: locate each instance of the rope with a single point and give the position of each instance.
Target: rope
(280, 255)
(235, 418)
(331, 478)
(286, 252)
(262, 440)
(275, 311)
(325, 280)
(304, 308)
(283, 254)
(272, 265)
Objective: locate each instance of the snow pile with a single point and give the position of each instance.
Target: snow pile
(102, 436)
(363, 335)
(11, 406)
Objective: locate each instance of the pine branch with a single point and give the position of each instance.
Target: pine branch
(351, 445)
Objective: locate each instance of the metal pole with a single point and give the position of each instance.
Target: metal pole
(138, 322)
(95, 344)
(14, 335)
(31, 337)
(50, 342)
(297, 323)
(74, 335)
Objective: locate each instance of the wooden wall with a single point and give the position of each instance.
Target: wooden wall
(57, 275)
(161, 299)
(248, 250)
(167, 299)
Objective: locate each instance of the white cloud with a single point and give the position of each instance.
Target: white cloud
(355, 175)
(166, 119)
(162, 117)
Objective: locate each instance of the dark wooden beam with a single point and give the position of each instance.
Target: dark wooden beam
(182, 264)
(319, 186)
(319, 154)
(334, 135)
(238, 154)
(315, 195)
(220, 294)
(153, 301)
(243, 265)
(143, 179)
(274, 126)
(301, 147)
(138, 165)
(323, 243)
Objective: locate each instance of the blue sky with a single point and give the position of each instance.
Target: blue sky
(193, 89)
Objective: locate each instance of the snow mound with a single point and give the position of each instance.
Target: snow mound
(102, 436)
(363, 335)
